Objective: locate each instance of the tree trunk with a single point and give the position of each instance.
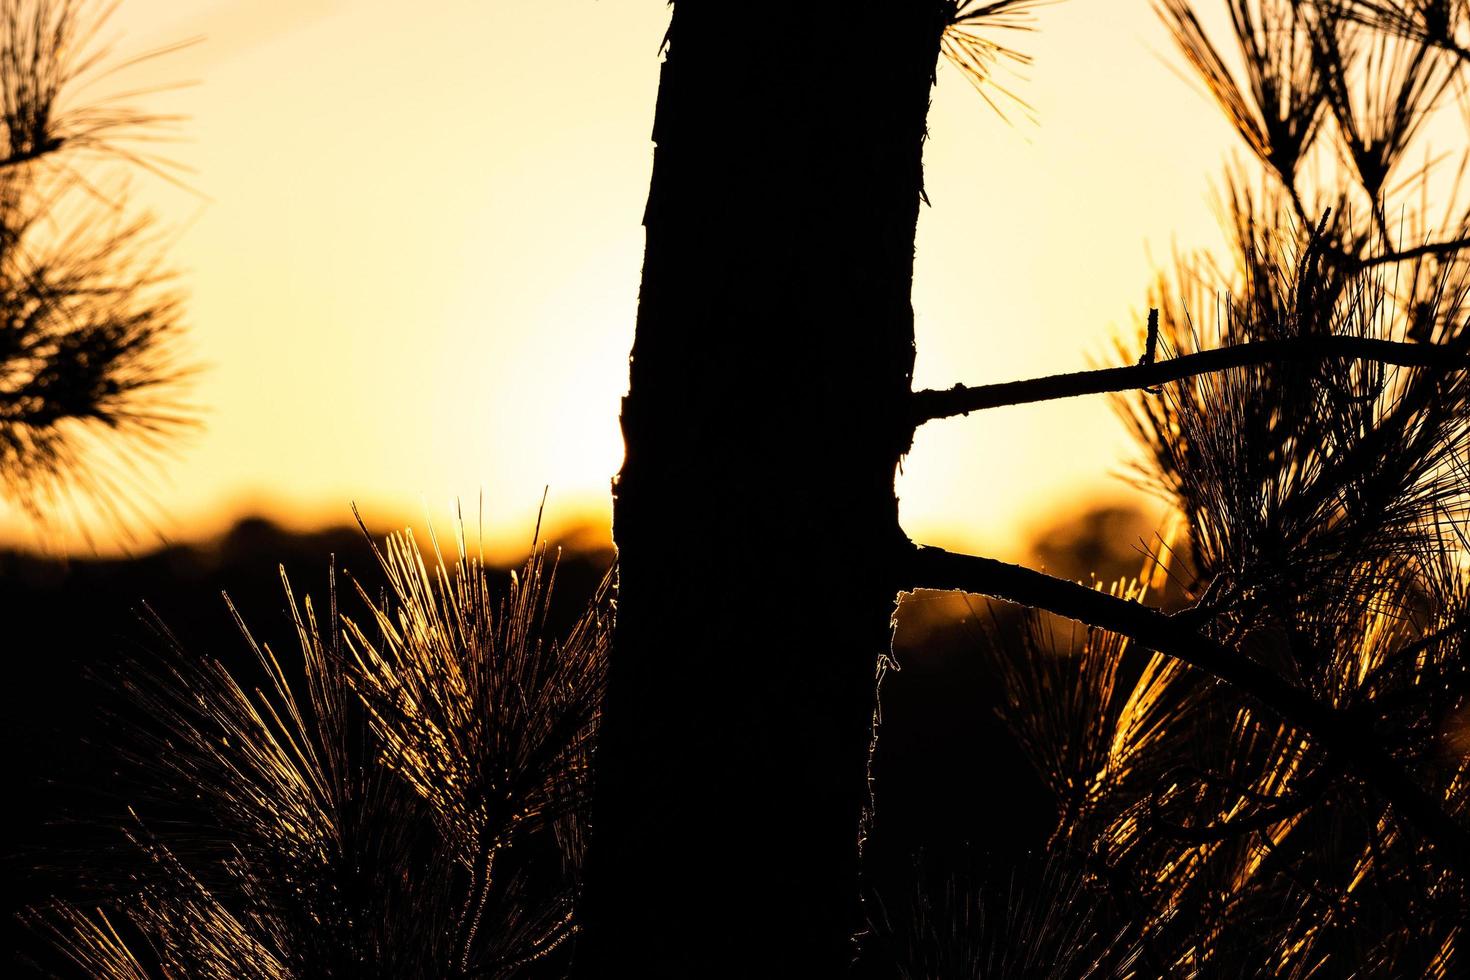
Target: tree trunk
(755, 515)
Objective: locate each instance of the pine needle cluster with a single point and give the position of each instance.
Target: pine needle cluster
(403, 796)
(970, 43)
(1323, 532)
(91, 371)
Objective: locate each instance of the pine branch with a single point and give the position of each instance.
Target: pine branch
(930, 405)
(1342, 734)
(1439, 249)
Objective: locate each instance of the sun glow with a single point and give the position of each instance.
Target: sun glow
(413, 247)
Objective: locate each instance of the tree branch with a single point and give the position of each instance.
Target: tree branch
(1234, 827)
(1449, 247)
(1342, 734)
(931, 404)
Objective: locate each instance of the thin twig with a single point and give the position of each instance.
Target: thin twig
(932, 404)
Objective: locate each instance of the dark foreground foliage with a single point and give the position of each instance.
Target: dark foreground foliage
(403, 795)
(1321, 533)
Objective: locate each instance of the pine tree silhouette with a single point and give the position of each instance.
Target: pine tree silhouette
(1270, 780)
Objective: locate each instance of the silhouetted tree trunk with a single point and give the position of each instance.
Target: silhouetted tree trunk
(755, 514)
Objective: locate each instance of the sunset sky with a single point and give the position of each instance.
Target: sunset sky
(412, 249)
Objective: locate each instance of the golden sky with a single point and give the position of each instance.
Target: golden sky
(413, 257)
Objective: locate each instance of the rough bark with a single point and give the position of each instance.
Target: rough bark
(780, 235)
